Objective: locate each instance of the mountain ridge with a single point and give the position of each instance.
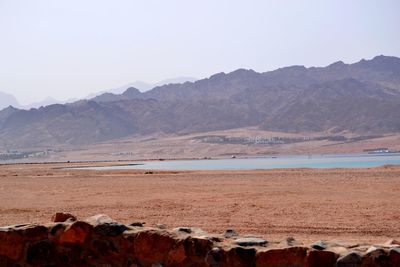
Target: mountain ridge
(362, 97)
(360, 70)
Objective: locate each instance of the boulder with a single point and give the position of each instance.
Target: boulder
(193, 231)
(99, 219)
(230, 233)
(394, 255)
(110, 229)
(317, 258)
(214, 257)
(153, 246)
(290, 242)
(376, 256)
(250, 241)
(239, 257)
(12, 244)
(352, 259)
(76, 233)
(292, 256)
(319, 245)
(63, 217)
(137, 224)
(40, 253)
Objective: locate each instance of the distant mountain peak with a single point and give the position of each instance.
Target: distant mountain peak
(10, 108)
(337, 64)
(131, 89)
(293, 68)
(132, 92)
(383, 57)
(216, 76)
(242, 72)
(381, 63)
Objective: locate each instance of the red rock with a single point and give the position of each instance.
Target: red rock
(316, 258)
(215, 257)
(376, 256)
(196, 246)
(105, 242)
(76, 233)
(12, 244)
(177, 254)
(6, 262)
(196, 250)
(394, 255)
(34, 232)
(56, 231)
(293, 256)
(238, 257)
(62, 217)
(40, 253)
(152, 246)
(250, 241)
(349, 260)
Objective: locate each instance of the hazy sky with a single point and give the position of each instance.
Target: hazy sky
(72, 48)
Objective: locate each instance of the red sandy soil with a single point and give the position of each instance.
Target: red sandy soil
(308, 204)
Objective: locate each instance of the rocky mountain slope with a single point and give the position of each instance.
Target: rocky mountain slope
(142, 86)
(363, 97)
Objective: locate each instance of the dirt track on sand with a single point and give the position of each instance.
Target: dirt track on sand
(345, 204)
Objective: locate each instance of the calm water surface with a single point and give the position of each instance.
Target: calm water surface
(315, 161)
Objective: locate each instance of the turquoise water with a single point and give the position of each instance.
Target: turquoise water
(321, 161)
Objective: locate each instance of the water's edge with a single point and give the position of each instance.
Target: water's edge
(257, 163)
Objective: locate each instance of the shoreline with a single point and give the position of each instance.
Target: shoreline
(129, 162)
(227, 156)
(231, 164)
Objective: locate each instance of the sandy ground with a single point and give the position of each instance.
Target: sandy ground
(190, 146)
(344, 204)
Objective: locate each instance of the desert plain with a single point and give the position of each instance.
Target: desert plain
(361, 205)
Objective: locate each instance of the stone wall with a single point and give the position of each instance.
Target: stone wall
(100, 241)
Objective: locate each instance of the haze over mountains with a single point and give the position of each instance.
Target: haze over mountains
(10, 100)
(362, 98)
(143, 86)
(7, 100)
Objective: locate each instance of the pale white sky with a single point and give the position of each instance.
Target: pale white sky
(71, 48)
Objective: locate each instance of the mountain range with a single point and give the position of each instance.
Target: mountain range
(10, 100)
(362, 98)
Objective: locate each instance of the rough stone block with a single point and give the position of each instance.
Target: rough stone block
(285, 257)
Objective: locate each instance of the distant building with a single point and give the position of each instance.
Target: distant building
(378, 150)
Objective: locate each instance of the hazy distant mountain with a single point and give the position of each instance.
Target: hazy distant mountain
(142, 86)
(45, 102)
(363, 97)
(130, 93)
(7, 100)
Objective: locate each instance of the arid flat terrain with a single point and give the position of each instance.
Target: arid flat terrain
(198, 145)
(308, 204)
